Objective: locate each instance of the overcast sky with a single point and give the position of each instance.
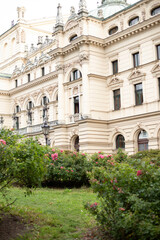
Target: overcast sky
(38, 9)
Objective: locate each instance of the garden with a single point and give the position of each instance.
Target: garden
(48, 193)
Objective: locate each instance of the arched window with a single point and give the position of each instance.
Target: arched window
(120, 141)
(142, 140)
(133, 21)
(73, 37)
(75, 74)
(44, 101)
(17, 109)
(30, 105)
(76, 144)
(113, 30)
(155, 11)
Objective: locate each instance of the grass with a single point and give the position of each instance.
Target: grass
(55, 213)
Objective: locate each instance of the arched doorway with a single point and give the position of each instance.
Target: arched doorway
(143, 140)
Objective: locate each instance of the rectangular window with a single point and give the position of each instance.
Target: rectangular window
(16, 83)
(76, 105)
(43, 71)
(29, 77)
(136, 59)
(115, 66)
(159, 86)
(117, 99)
(17, 123)
(158, 52)
(138, 94)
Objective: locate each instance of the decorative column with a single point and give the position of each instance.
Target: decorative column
(61, 96)
(85, 100)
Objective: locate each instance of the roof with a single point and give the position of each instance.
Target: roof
(5, 75)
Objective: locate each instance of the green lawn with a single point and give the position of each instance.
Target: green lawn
(56, 214)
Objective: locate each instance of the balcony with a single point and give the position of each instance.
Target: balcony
(35, 128)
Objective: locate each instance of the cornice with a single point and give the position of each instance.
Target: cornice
(33, 83)
(12, 62)
(4, 93)
(88, 40)
(130, 31)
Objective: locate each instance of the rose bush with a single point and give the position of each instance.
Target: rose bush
(129, 197)
(67, 169)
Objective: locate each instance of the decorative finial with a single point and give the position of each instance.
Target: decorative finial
(21, 12)
(82, 8)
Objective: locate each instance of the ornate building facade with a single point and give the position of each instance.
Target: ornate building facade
(95, 78)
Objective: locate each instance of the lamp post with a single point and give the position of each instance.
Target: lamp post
(1, 121)
(14, 117)
(45, 126)
(45, 129)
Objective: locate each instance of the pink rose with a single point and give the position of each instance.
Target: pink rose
(101, 156)
(2, 141)
(61, 150)
(53, 150)
(83, 154)
(96, 162)
(122, 209)
(61, 167)
(71, 170)
(139, 172)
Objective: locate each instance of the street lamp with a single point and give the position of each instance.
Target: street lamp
(1, 121)
(45, 129)
(14, 117)
(45, 126)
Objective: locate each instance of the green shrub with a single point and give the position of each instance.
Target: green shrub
(22, 162)
(67, 169)
(129, 195)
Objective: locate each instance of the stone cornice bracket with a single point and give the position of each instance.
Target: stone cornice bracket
(83, 11)
(59, 20)
(83, 58)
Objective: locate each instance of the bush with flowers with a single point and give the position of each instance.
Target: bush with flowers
(67, 169)
(129, 197)
(21, 162)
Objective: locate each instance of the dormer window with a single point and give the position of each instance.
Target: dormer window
(113, 30)
(73, 37)
(75, 74)
(155, 11)
(133, 21)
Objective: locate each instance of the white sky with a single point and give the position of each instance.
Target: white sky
(38, 9)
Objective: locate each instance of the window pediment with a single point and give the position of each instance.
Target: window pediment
(115, 82)
(156, 69)
(136, 76)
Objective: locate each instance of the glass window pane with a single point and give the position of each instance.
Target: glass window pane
(158, 52)
(136, 59)
(155, 11)
(115, 66)
(133, 21)
(120, 142)
(138, 94)
(117, 100)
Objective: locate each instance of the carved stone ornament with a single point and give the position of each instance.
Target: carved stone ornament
(84, 57)
(73, 14)
(82, 6)
(60, 67)
(115, 81)
(50, 90)
(16, 71)
(136, 74)
(35, 95)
